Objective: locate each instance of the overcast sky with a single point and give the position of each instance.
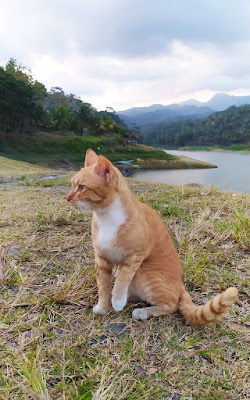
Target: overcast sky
(125, 53)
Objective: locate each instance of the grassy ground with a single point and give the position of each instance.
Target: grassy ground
(51, 344)
(179, 162)
(13, 168)
(66, 151)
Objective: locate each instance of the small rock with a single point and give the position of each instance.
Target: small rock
(118, 327)
(14, 250)
(175, 396)
(101, 339)
(51, 176)
(59, 331)
(14, 291)
(28, 334)
(92, 342)
(194, 185)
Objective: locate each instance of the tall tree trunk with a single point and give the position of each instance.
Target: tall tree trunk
(19, 126)
(5, 123)
(26, 123)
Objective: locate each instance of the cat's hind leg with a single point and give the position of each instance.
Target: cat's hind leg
(157, 287)
(150, 312)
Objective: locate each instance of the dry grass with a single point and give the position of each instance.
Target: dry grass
(11, 168)
(178, 162)
(53, 347)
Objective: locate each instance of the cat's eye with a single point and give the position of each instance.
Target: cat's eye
(81, 187)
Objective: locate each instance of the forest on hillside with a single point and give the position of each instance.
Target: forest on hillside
(27, 106)
(221, 128)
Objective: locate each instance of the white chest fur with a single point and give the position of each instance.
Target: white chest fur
(108, 224)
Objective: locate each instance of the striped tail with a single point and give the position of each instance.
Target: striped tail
(209, 312)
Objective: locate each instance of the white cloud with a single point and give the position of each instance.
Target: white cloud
(126, 53)
(182, 73)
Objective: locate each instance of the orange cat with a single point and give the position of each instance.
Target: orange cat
(132, 235)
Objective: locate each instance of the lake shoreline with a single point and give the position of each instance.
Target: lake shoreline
(179, 162)
(176, 163)
(231, 175)
(206, 148)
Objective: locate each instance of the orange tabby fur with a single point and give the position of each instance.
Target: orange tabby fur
(131, 234)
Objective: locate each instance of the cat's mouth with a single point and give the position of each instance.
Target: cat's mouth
(81, 206)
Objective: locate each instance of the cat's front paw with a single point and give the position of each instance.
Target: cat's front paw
(98, 309)
(119, 303)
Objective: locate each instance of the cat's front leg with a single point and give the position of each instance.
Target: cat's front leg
(124, 276)
(103, 278)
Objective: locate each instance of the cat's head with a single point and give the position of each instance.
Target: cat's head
(94, 186)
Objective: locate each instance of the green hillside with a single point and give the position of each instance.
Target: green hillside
(225, 128)
(68, 150)
(52, 128)
(26, 107)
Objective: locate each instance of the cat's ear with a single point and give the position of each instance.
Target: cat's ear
(103, 166)
(105, 169)
(90, 158)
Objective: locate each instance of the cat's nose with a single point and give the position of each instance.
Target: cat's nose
(69, 197)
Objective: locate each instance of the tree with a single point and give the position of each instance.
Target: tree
(107, 125)
(19, 72)
(110, 110)
(25, 105)
(21, 98)
(85, 118)
(12, 101)
(58, 119)
(56, 97)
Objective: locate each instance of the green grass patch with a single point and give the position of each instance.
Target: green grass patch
(51, 344)
(55, 150)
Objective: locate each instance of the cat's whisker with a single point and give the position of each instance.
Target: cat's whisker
(82, 208)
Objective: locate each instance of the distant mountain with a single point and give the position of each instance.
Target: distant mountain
(144, 117)
(193, 102)
(231, 126)
(220, 101)
(174, 112)
(141, 110)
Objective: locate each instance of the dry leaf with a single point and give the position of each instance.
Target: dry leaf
(152, 371)
(238, 327)
(139, 370)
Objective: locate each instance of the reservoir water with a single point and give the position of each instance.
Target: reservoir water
(232, 174)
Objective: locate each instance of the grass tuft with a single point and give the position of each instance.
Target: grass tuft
(51, 344)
